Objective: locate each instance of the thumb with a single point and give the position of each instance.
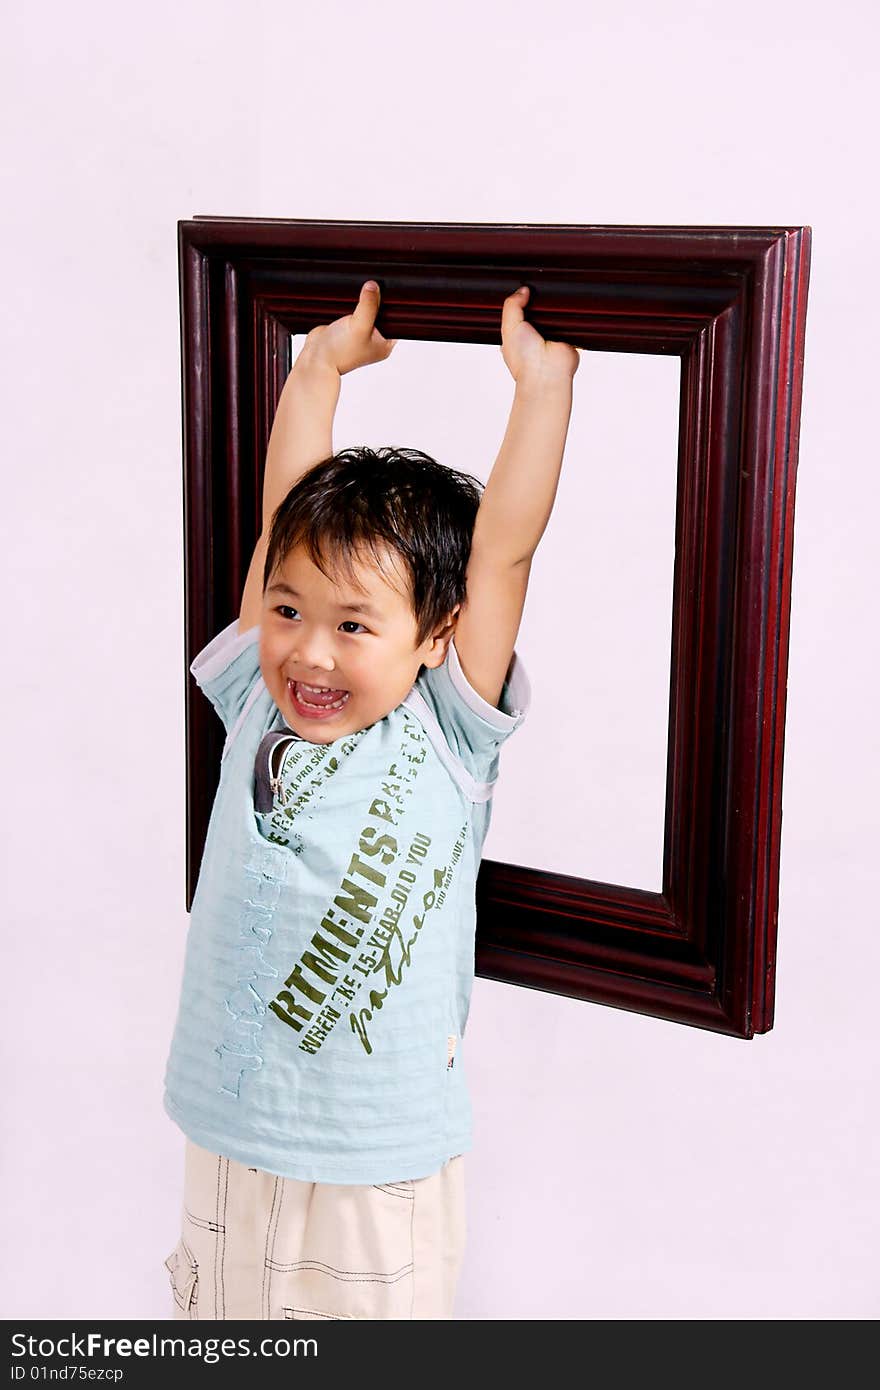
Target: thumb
(512, 310)
(367, 306)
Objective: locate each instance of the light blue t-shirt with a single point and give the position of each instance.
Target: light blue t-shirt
(330, 955)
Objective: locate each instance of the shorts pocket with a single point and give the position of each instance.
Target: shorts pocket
(350, 1257)
(183, 1269)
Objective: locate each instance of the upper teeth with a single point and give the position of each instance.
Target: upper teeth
(317, 688)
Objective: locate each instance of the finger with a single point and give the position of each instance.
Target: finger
(514, 304)
(367, 306)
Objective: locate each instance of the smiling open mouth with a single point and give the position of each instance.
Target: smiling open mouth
(317, 703)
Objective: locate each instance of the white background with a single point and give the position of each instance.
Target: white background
(623, 1167)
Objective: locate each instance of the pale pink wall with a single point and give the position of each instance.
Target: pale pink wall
(624, 1168)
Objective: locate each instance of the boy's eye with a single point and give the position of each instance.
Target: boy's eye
(285, 608)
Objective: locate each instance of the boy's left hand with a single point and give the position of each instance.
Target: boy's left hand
(525, 352)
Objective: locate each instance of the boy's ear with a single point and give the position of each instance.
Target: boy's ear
(441, 638)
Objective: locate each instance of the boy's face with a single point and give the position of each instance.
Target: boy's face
(367, 650)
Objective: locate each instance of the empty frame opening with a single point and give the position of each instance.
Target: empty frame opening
(583, 782)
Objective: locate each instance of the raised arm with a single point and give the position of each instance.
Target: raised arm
(517, 500)
(302, 431)
(301, 435)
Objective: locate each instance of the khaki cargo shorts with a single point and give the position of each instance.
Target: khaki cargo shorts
(257, 1246)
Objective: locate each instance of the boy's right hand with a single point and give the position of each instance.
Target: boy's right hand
(353, 340)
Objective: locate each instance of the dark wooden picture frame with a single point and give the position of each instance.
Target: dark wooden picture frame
(731, 302)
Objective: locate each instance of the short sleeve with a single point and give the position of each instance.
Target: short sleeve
(472, 727)
(227, 670)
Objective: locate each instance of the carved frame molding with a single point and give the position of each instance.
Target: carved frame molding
(731, 303)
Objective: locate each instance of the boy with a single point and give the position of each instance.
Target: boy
(316, 1064)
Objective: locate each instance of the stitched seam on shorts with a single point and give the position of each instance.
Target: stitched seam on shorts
(314, 1313)
(345, 1276)
(268, 1255)
(412, 1252)
(199, 1221)
(220, 1248)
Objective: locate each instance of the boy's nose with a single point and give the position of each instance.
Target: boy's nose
(311, 655)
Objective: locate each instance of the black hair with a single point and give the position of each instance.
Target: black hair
(362, 499)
